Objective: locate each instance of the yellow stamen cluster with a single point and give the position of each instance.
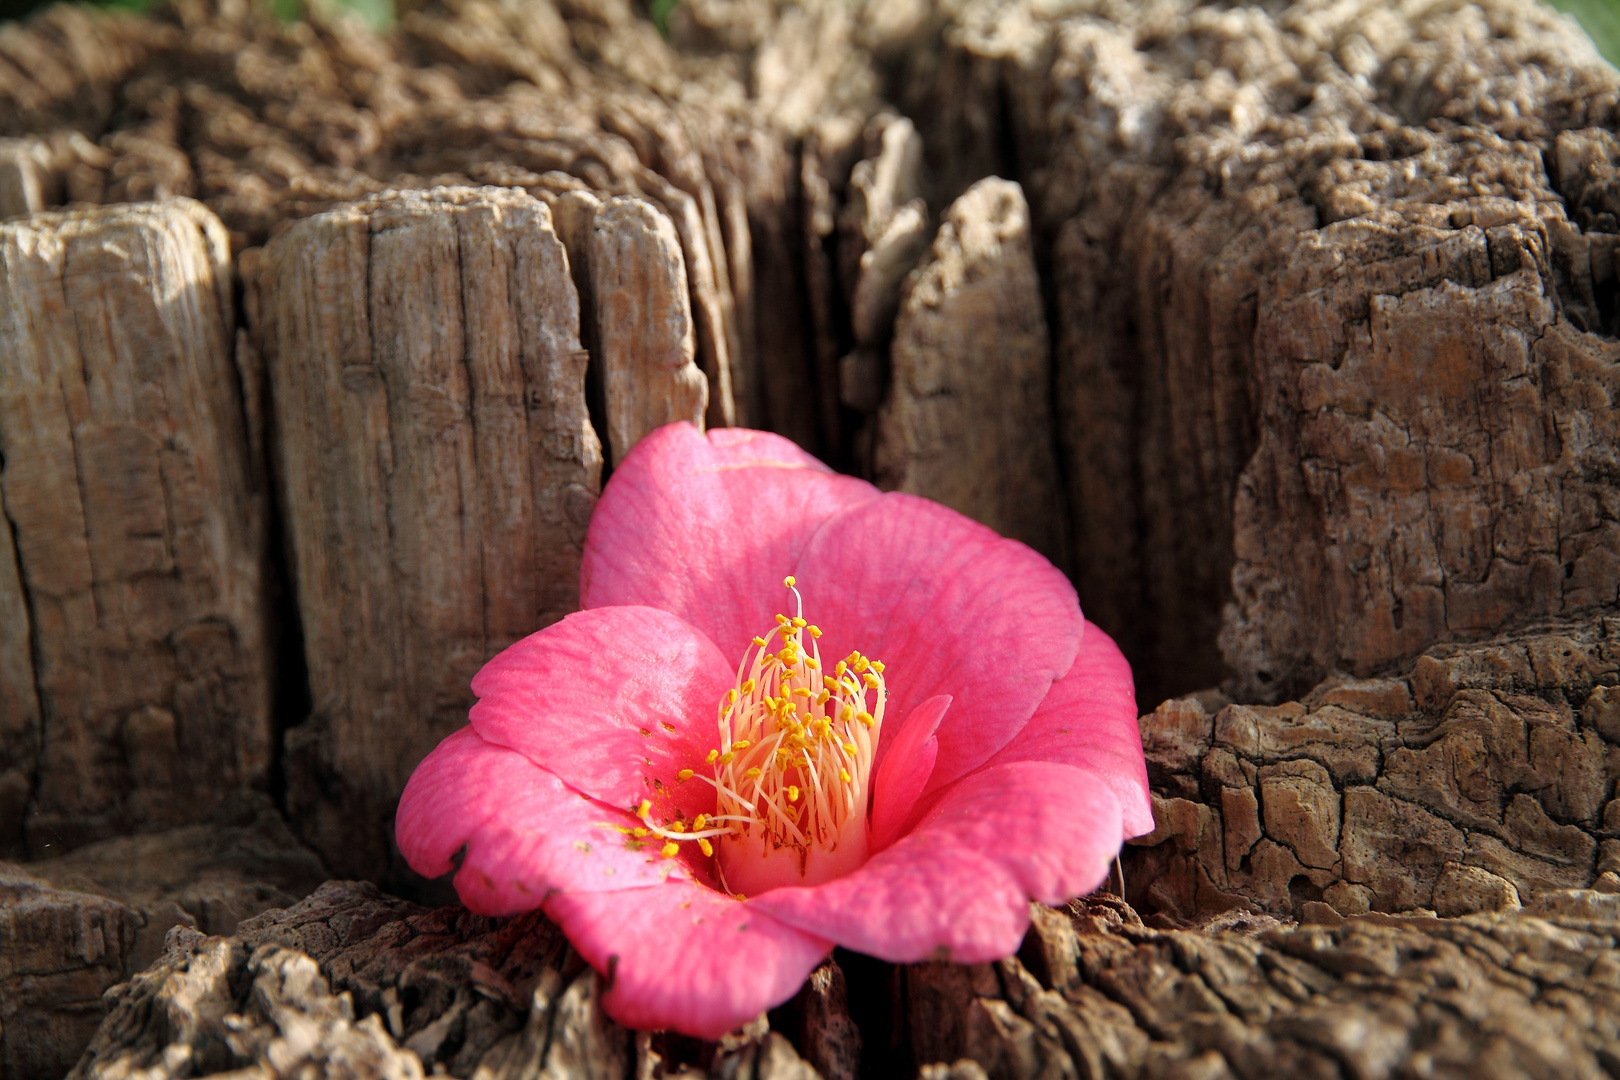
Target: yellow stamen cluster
(796, 745)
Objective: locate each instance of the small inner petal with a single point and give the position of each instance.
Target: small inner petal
(793, 771)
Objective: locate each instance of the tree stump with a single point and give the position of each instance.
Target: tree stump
(437, 469)
(135, 662)
(1288, 331)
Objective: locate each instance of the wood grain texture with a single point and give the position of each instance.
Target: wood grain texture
(134, 595)
(1328, 344)
(968, 419)
(644, 327)
(437, 471)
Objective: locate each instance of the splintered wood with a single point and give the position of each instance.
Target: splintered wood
(643, 323)
(133, 665)
(437, 470)
(971, 394)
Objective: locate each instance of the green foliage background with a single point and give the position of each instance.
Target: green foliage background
(1600, 19)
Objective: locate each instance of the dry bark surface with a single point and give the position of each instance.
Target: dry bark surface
(1289, 330)
(73, 926)
(1478, 779)
(437, 471)
(134, 667)
(353, 983)
(1331, 314)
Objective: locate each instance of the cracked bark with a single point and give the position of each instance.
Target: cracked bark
(134, 678)
(437, 472)
(1329, 318)
(1329, 292)
(1478, 778)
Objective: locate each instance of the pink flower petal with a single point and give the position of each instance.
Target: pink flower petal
(685, 957)
(615, 701)
(707, 527)
(950, 608)
(527, 834)
(955, 887)
(905, 771)
(1088, 720)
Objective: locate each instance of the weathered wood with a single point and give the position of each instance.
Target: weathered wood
(644, 328)
(1479, 778)
(1319, 387)
(437, 471)
(882, 233)
(1093, 992)
(968, 418)
(72, 927)
(1373, 997)
(134, 645)
(59, 951)
(406, 990)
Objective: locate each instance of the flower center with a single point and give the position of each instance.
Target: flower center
(793, 771)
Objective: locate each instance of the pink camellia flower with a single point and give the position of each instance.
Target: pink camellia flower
(794, 713)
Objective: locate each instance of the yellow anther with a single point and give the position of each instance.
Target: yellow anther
(640, 834)
(821, 698)
(851, 749)
(727, 758)
(860, 665)
(708, 848)
(821, 727)
(838, 671)
(872, 681)
(782, 620)
(669, 849)
(712, 755)
(802, 691)
(644, 809)
(812, 663)
(798, 621)
(684, 775)
(865, 718)
(677, 826)
(788, 582)
(847, 714)
(697, 822)
(877, 666)
(760, 642)
(789, 655)
(731, 696)
(788, 708)
(748, 687)
(741, 744)
(843, 774)
(815, 632)
(793, 793)
(750, 774)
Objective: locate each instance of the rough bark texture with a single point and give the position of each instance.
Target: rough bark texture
(355, 983)
(1094, 993)
(73, 926)
(437, 471)
(1327, 295)
(643, 324)
(134, 672)
(968, 420)
(267, 123)
(1479, 778)
(883, 230)
(350, 982)
(1330, 345)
